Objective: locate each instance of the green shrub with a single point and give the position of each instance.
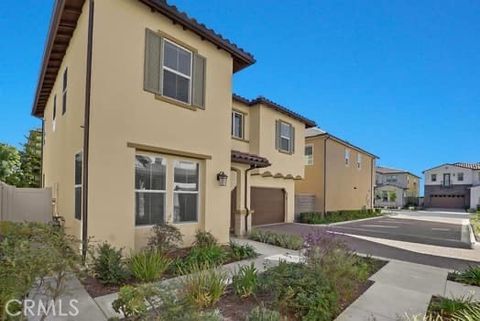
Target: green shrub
(447, 307)
(132, 301)
(302, 290)
(292, 242)
(204, 238)
(336, 216)
(241, 252)
(261, 313)
(470, 276)
(148, 265)
(108, 265)
(165, 238)
(245, 281)
(203, 288)
(470, 313)
(202, 256)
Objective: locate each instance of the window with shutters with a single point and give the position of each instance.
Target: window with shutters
(78, 185)
(174, 71)
(285, 137)
(177, 72)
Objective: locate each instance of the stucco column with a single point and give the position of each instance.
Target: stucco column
(241, 221)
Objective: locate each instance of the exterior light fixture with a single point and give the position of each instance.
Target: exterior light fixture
(222, 179)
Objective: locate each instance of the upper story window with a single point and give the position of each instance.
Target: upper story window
(460, 177)
(308, 154)
(238, 125)
(359, 160)
(174, 71)
(347, 156)
(392, 178)
(54, 113)
(64, 91)
(433, 177)
(285, 137)
(177, 72)
(150, 190)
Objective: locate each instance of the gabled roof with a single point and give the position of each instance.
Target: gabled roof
(64, 21)
(271, 104)
(388, 170)
(317, 132)
(472, 166)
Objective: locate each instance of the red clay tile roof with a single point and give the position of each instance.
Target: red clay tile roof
(250, 159)
(474, 166)
(262, 100)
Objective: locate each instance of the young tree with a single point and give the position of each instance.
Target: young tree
(31, 162)
(10, 165)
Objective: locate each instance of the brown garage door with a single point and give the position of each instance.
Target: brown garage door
(268, 204)
(447, 201)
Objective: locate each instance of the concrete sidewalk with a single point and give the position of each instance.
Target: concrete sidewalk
(402, 288)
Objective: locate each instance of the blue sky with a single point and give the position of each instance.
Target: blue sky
(398, 78)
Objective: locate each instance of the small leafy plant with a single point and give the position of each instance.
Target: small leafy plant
(203, 288)
(165, 238)
(245, 281)
(148, 265)
(447, 307)
(204, 239)
(470, 276)
(261, 313)
(292, 242)
(108, 265)
(241, 252)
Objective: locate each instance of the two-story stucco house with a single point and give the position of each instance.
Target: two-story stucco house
(454, 185)
(338, 175)
(396, 187)
(141, 126)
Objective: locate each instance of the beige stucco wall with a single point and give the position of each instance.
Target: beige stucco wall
(62, 144)
(123, 112)
(347, 187)
(413, 186)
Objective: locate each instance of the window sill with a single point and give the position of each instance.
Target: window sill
(175, 102)
(241, 139)
(284, 152)
(185, 223)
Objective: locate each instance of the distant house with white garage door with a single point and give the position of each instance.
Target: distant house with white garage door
(453, 186)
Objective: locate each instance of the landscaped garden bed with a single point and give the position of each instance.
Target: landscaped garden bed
(161, 259)
(453, 309)
(475, 222)
(470, 276)
(337, 216)
(318, 289)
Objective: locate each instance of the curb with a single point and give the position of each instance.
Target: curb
(344, 222)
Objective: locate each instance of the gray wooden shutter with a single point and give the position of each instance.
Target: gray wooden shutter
(198, 88)
(153, 62)
(277, 134)
(292, 148)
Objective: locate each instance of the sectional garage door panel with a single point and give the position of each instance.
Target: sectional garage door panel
(447, 201)
(268, 204)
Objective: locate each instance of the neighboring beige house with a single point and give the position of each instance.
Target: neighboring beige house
(140, 127)
(396, 187)
(338, 175)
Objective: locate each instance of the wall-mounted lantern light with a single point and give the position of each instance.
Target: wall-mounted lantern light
(222, 179)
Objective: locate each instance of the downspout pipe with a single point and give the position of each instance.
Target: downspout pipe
(247, 208)
(325, 176)
(86, 130)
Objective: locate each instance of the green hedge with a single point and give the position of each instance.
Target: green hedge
(336, 216)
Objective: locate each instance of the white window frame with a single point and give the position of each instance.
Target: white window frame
(177, 72)
(460, 174)
(289, 138)
(308, 158)
(155, 191)
(197, 192)
(242, 125)
(75, 186)
(359, 161)
(347, 157)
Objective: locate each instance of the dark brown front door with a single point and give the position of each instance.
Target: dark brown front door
(268, 204)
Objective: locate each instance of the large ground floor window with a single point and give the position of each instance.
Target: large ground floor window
(163, 183)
